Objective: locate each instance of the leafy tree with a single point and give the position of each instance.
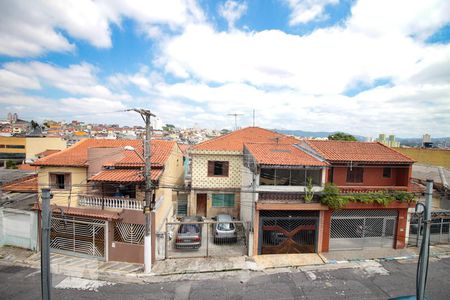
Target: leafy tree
(341, 136)
(169, 127)
(224, 131)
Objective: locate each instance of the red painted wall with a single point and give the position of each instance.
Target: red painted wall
(373, 176)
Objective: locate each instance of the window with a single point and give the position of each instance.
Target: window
(217, 168)
(387, 172)
(15, 146)
(292, 177)
(223, 200)
(355, 175)
(60, 181)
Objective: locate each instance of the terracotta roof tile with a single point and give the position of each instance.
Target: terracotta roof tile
(282, 154)
(27, 184)
(27, 167)
(235, 140)
(76, 156)
(47, 152)
(370, 152)
(124, 175)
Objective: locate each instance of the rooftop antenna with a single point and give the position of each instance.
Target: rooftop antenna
(253, 117)
(235, 115)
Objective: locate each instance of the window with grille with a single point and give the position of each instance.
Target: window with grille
(129, 233)
(223, 200)
(60, 181)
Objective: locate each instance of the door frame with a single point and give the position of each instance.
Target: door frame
(203, 198)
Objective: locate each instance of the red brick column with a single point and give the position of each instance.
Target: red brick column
(326, 230)
(400, 235)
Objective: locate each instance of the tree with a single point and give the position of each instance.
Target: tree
(9, 164)
(168, 127)
(224, 131)
(341, 136)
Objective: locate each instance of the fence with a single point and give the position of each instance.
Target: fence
(18, 228)
(440, 224)
(206, 239)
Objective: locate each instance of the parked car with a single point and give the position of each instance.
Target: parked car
(189, 236)
(224, 230)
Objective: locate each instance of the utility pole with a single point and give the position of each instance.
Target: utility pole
(424, 251)
(149, 204)
(235, 115)
(253, 117)
(45, 244)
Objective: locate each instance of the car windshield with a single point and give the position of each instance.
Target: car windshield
(225, 226)
(189, 228)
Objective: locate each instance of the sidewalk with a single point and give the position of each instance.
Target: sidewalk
(186, 268)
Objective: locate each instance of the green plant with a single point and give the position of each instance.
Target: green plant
(309, 192)
(9, 164)
(332, 197)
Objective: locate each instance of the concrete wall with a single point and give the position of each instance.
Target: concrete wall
(77, 185)
(37, 145)
(18, 228)
(373, 176)
(247, 195)
(12, 141)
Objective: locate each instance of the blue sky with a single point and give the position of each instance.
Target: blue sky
(365, 67)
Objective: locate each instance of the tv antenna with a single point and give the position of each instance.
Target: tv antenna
(235, 115)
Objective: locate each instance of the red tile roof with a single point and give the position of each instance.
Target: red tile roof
(47, 152)
(27, 167)
(87, 212)
(344, 151)
(27, 184)
(124, 175)
(235, 140)
(281, 154)
(184, 148)
(76, 156)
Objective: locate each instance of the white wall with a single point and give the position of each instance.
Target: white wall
(247, 195)
(18, 228)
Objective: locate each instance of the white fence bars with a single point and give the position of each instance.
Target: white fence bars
(206, 239)
(111, 202)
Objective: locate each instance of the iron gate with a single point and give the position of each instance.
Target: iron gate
(78, 235)
(359, 229)
(283, 232)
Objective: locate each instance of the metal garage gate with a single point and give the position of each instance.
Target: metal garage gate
(359, 229)
(282, 232)
(78, 235)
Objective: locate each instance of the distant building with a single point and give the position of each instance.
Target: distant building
(426, 141)
(390, 141)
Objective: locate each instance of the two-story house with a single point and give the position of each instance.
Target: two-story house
(279, 195)
(361, 167)
(283, 186)
(216, 170)
(98, 193)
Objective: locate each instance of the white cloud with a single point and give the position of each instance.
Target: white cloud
(305, 11)
(75, 79)
(32, 28)
(232, 11)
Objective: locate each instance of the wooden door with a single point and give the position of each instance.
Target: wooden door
(201, 205)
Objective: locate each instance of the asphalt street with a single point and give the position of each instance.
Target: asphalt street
(382, 281)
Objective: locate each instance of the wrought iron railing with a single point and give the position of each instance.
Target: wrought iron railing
(110, 202)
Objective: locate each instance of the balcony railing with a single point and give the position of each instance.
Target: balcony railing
(110, 202)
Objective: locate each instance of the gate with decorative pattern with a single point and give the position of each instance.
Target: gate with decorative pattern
(359, 229)
(283, 232)
(78, 235)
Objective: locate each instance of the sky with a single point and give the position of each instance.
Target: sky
(364, 67)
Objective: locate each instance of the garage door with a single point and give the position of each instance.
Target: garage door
(360, 229)
(78, 235)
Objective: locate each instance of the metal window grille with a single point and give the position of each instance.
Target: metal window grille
(129, 233)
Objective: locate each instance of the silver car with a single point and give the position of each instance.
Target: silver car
(189, 236)
(224, 230)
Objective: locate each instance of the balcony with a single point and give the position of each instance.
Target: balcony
(99, 201)
(370, 189)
